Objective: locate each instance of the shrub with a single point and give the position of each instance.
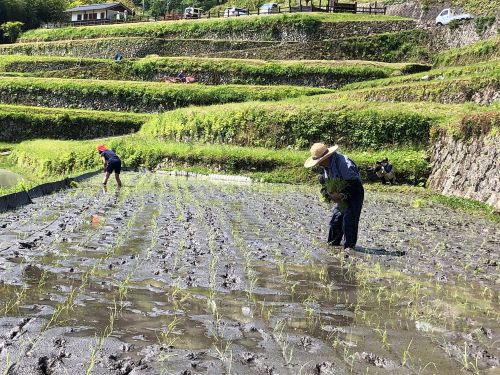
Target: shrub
(19, 123)
(296, 125)
(11, 30)
(474, 126)
(483, 23)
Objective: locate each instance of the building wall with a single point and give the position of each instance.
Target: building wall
(99, 16)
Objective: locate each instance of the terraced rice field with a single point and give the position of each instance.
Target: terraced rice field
(174, 275)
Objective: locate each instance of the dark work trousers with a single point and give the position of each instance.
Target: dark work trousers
(345, 224)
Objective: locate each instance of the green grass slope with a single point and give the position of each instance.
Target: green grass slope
(19, 123)
(486, 50)
(331, 74)
(267, 28)
(134, 96)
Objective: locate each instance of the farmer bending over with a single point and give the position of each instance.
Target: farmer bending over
(337, 166)
(112, 163)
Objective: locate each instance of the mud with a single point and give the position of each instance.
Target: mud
(175, 275)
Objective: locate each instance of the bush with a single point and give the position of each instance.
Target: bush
(12, 30)
(483, 23)
(19, 123)
(474, 126)
(134, 96)
(296, 125)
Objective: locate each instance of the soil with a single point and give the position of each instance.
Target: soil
(173, 275)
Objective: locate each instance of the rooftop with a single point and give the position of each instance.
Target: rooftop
(101, 6)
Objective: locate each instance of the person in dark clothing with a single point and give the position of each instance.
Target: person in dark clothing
(385, 172)
(112, 163)
(344, 224)
(181, 76)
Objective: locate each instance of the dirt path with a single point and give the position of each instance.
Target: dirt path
(186, 276)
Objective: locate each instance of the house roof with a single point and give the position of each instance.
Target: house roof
(103, 6)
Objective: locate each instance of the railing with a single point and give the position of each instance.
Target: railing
(323, 6)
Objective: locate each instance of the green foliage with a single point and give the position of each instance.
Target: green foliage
(299, 123)
(458, 90)
(268, 27)
(144, 152)
(19, 123)
(336, 185)
(455, 24)
(33, 12)
(474, 126)
(481, 70)
(139, 96)
(483, 23)
(11, 30)
(330, 74)
(481, 51)
(410, 45)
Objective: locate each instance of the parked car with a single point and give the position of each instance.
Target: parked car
(269, 8)
(448, 15)
(191, 12)
(234, 12)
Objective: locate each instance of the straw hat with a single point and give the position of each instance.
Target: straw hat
(319, 152)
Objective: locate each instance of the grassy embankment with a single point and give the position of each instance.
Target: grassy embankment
(268, 28)
(19, 123)
(331, 74)
(134, 96)
(486, 50)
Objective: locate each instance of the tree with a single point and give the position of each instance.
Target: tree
(159, 7)
(12, 29)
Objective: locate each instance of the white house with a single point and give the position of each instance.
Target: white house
(99, 12)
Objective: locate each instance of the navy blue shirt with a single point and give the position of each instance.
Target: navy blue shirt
(110, 156)
(342, 167)
(388, 168)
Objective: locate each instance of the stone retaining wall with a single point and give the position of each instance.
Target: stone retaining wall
(467, 168)
(128, 47)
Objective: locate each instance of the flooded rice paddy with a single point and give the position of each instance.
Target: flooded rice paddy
(185, 276)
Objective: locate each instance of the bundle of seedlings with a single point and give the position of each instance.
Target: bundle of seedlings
(334, 189)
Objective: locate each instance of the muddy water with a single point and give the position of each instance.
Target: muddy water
(182, 276)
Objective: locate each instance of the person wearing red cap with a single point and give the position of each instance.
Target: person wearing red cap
(112, 163)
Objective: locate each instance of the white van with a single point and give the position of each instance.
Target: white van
(448, 15)
(191, 12)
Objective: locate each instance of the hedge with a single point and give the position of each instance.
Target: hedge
(486, 50)
(134, 96)
(264, 28)
(298, 123)
(144, 152)
(19, 123)
(209, 71)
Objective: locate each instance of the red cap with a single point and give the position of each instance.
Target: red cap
(101, 148)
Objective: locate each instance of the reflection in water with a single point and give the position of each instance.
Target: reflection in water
(8, 178)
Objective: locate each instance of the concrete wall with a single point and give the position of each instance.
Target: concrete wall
(467, 168)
